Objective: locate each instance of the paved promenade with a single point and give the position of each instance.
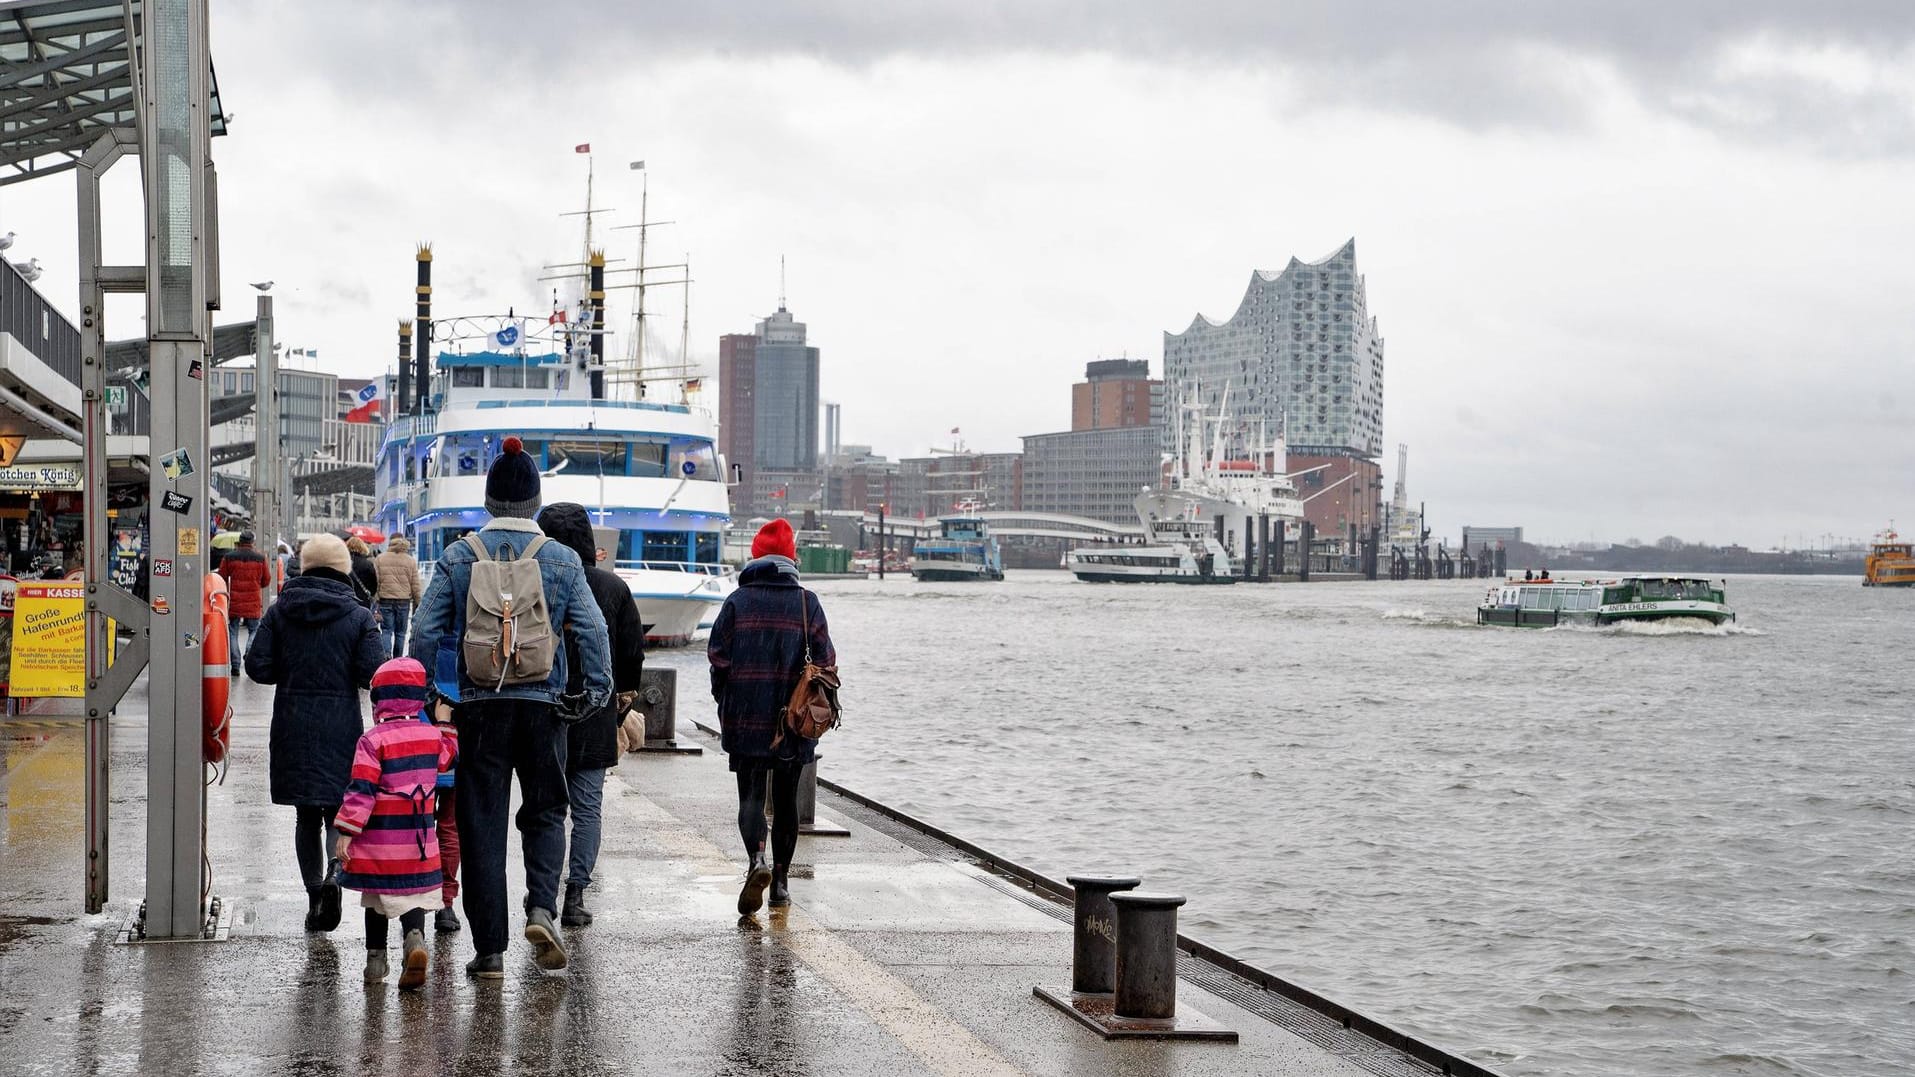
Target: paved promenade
(899, 955)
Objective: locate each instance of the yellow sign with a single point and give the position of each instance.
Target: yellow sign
(49, 639)
(10, 449)
(189, 542)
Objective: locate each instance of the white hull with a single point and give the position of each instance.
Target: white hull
(674, 604)
(952, 570)
(1143, 564)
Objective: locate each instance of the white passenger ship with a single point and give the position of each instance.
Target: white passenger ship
(649, 473)
(1181, 549)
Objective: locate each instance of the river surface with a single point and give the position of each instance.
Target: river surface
(1590, 852)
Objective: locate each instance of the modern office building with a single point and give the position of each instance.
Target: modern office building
(768, 414)
(1301, 354)
(1094, 473)
(927, 487)
(1116, 392)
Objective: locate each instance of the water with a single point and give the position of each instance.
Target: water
(1648, 850)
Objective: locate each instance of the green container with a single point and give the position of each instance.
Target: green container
(824, 560)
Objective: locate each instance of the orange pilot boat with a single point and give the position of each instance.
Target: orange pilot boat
(1890, 563)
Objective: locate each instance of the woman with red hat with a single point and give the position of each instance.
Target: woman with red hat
(757, 649)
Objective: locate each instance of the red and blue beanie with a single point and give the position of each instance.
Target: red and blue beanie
(399, 689)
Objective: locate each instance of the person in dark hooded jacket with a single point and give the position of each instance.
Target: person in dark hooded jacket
(318, 646)
(757, 650)
(592, 741)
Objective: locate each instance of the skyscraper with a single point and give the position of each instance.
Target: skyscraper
(1301, 354)
(1116, 392)
(768, 414)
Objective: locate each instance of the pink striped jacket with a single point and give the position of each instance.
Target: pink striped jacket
(388, 807)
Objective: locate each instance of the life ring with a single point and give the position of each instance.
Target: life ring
(217, 673)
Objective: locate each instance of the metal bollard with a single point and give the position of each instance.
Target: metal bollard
(1146, 955)
(658, 704)
(808, 821)
(1094, 942)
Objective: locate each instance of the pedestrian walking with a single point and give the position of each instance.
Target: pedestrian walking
(399, 591)
(757, 651)
(365, 577)
(248, 577)
(388, 841)
(318, 647)
(506, 593)
(592, 741)
(445, 813)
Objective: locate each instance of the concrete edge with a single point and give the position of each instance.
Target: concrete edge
(1443, 1061)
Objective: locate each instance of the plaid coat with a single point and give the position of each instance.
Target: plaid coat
(756, 651)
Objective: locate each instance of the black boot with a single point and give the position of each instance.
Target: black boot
(312, 908)
(756, 879)
(574, 914)
(328, 912)
(780, 890)
(445, 921)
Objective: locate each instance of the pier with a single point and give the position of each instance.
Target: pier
(905, 950)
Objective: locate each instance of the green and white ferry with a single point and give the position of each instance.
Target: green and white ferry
(1546, 603)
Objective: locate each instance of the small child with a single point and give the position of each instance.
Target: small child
(388, 836)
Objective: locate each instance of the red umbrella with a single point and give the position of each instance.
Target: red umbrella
(369, 535)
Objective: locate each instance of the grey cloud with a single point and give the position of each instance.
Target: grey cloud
(1475, 63)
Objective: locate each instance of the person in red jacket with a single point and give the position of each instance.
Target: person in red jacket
(247, 578)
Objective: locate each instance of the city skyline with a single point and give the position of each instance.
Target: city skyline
(1685, 242)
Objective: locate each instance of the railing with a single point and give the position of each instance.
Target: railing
(39, 328)
(705, 568)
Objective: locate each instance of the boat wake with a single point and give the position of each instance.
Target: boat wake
(1426, 619)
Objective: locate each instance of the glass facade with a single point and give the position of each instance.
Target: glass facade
(1301, 351)
(785, 397)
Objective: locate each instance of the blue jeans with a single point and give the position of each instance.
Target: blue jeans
(497, 739)
(232, 638)
(393, 614)
(587, 789)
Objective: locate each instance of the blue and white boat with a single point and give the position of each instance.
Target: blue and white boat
(649, 473)
(963, 549)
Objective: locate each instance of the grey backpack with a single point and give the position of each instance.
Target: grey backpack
(508, 627)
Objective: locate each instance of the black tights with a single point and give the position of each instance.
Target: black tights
(784, 808)
(410, 920)
(310, 825)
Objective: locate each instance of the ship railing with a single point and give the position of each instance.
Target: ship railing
(704, 568)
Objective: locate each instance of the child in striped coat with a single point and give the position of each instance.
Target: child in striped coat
(388, 837)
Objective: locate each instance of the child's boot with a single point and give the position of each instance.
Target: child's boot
(376, 966)
(413, 976)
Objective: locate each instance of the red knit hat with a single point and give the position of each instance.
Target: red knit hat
(775, 537)
(398, 689)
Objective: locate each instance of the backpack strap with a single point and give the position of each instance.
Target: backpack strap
(532, 548)
(472, 539)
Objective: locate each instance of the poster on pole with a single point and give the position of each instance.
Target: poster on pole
(48, 659)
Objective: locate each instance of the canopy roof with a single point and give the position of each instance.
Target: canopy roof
(66, 75)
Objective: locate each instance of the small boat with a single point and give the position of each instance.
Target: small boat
(1890, 562)
(964, 549)
(1546, 603)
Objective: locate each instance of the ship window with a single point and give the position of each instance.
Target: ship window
(512, 377)
(707, 551)
(667, 545)
(647, 459)
(585, 457)
(699, 454)
(468, 377)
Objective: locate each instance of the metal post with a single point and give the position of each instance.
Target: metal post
(1249, 548)
(1304, 539)
(1279, 538)
(881, 550)
(178, 216)
(596, 298)
(422, 372)
(1146, 955)
(266, 443)
(1094, 938)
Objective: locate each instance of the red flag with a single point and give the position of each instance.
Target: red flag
(583, 147)
(557, 318)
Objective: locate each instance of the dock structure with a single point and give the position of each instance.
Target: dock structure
(904, 950)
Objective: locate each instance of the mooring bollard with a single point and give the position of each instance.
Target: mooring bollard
(657, 704)
(1094, 942)
(808, 821)
(1146, 955)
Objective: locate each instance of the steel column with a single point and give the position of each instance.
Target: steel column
(266, 491)
(176, 129)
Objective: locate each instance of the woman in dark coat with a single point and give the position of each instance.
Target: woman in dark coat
(319, 646)
(592, 741)
(757, 649)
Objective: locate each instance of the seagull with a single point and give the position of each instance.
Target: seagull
(6, 241)
(29, 269)
(263, 285)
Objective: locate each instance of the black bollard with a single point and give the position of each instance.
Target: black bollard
(1146, 955)
(657, 707)
(1094, 941)
(809, 825)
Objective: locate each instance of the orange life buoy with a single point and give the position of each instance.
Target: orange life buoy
(217, 673)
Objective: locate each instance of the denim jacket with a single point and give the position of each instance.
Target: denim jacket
(441, 614)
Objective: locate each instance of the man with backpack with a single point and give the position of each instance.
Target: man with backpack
(506, 594)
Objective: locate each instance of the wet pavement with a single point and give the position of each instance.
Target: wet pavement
(898, 954)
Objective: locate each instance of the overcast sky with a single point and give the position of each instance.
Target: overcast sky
(1642, 268)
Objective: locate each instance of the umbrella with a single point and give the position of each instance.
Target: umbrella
(225, 540)
(371, 536)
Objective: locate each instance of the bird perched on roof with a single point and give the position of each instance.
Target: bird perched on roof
(6, 241)
(263, 285)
